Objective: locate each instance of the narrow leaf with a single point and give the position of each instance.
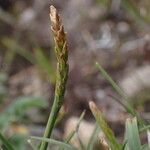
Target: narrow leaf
(125, 103)
(132, 134)
(93, 138)
(55, 142)
(6, 143)
(72, 133)
(104, 126)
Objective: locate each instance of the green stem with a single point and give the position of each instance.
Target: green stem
(61, 75)
(58, 100)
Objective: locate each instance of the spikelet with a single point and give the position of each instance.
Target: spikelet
(61, 51)
(61, 48)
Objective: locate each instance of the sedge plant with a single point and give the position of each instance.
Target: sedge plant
(61, 51)
(132, 136)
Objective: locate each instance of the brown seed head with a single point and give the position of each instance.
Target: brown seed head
(55, 19)
(57, 26)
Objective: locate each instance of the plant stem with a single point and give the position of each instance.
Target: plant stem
(61, 51)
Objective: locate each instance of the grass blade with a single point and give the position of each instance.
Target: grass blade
(104, 127)
(132, 134)
(111, 81)
(55, 142)
(31, 144)
(72, 133)
(93, 138)
(125, 103)
(6, 143)
(67, 140)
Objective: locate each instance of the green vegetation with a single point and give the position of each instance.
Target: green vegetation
(16, 111)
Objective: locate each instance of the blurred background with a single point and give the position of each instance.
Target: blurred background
(114, 33)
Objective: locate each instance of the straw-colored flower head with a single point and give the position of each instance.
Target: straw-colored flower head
(57, 27)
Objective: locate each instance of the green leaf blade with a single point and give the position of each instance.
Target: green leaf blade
(104, 127)
(6, 143)
(55, 142)
(132, 134)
